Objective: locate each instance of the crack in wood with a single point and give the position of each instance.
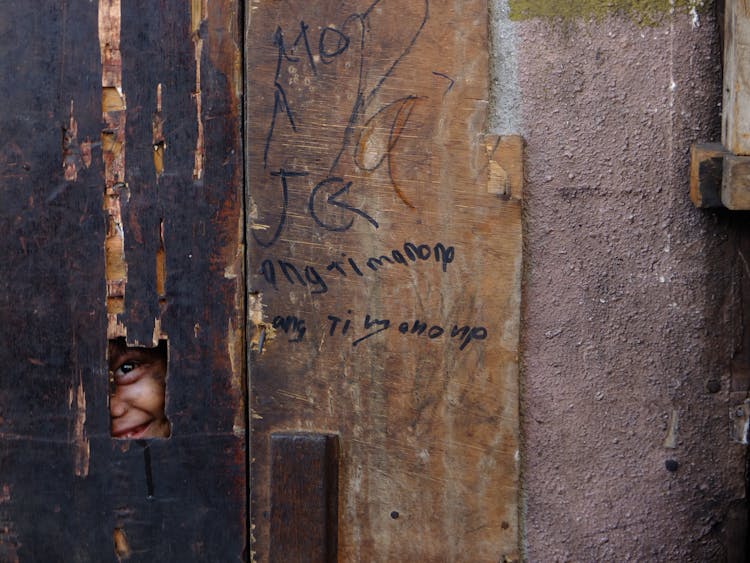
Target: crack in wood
(114, 109)
(157, 134)
(81, 444)
(199, 14)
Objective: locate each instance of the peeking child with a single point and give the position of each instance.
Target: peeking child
(137, 381)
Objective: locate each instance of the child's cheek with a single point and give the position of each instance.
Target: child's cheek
(148, 396)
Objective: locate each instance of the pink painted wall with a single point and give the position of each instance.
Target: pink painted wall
(632, 300)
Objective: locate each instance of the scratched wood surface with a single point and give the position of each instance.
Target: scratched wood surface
(735, 184)
(735, 134)
(82, 123)
(384, 271)
(304, 498)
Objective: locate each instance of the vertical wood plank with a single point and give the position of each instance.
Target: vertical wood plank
(736, 117)
(68, 490)
(384, 271)
(304, 498)
(53, 396)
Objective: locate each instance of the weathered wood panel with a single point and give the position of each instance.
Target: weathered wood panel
(384, 271)
(735, 186)
(304, 498)
(736, 117)
(706, 166)
(69, 491)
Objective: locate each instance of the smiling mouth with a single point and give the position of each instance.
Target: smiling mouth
(132, 432)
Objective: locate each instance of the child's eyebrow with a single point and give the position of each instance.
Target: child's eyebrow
(133, 355)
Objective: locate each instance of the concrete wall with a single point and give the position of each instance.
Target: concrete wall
(632, 297)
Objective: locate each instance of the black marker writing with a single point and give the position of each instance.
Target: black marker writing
(275, 270)
(291, 326)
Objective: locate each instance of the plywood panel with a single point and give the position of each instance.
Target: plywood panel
(384, 271)
(304, 498)
(736, 117)
(81, 121)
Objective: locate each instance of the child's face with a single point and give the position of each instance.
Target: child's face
(136, 402)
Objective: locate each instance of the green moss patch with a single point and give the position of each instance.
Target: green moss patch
(646, 12)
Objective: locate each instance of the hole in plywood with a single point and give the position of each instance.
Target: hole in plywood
(137, 377)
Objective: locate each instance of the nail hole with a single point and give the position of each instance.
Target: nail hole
(394, 515)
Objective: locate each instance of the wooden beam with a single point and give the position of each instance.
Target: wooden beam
(736, 117)
(719, 178)
(706, 165)
(735, 186)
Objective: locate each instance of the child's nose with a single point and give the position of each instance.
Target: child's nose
(117, 406)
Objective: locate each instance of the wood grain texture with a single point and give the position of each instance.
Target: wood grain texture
(70, 492)
(735, 187)
(384, 272)
(304, 498)
(735, 135)
(706, 169)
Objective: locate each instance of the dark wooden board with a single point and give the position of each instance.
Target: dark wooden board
(735, 182)
(304, 498)
(365, 139)
(706, 169)
(68, 491)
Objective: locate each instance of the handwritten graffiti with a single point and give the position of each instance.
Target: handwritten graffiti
(330, 200)
(276, 271)
(292, 326)
(345, 326)
(372, 151)
(464, 334)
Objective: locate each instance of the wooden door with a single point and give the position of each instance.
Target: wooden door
(383, 282)
(120, 129)
(384, 285)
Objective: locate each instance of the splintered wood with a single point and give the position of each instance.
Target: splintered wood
(385, 257)
(117, 77)
(113, 153)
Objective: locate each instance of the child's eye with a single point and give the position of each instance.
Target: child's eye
(127, 373)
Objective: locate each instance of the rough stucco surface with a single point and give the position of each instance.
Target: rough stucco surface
(630, 296)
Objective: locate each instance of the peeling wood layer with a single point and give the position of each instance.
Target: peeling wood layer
(157, 135)
(505, 169)
(198, 14)
(120, 540)
(82, 446)
(74, 154)
(113, 154)
(76, 208)
(161, 266)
